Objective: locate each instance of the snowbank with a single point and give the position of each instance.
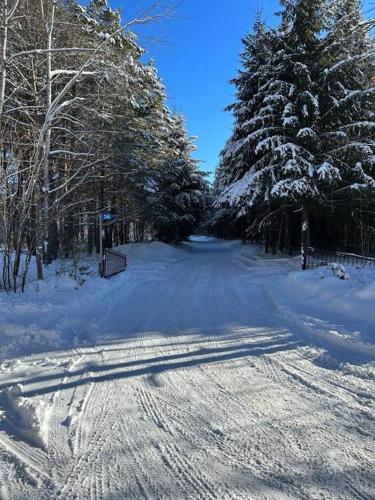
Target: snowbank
(331, 304)
(347, 303)
(49, 315)
(14, 338)
(353, 298)
(30, 416)
(148, 252)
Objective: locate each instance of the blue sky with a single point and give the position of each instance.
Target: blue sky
(197, 53)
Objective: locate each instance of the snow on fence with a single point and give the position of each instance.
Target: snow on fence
(114, 263)
(318, 258)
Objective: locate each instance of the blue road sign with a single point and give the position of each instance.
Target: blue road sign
(107, 217)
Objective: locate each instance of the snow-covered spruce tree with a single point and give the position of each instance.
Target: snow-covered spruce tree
(251, 121)
(284, 170)
(180, 191)
(279, 159)
(347, 124)
(141, 148)
(238, 153)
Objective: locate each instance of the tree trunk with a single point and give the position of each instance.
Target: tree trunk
(47, 257)
(4, 44)
(288, 242)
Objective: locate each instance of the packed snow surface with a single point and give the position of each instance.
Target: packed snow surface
(204, 371)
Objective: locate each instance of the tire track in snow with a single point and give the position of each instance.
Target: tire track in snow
(331, 438)
(237, 452)
(224, 429)
(201, 436)
(329, 377)
(144, 482)
(82, 418)
(29, 470)
(302, 449)
(187, 475)
(181, 427)
(31, 456)
(89, 448)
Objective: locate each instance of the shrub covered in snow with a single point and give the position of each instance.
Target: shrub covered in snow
(339, 271)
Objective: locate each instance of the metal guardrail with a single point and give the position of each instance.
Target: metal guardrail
(113, 263)
(316, 258)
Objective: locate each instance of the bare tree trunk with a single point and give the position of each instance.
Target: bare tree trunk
(47, 140)
(7, 11)
(266, 239)
(4, 21)
(4, 44)
(90, 239)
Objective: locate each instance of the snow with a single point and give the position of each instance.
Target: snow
(30, 416)
(269, 144)
(328, 171)
(207, 370)
(237, 189)
(349, 301)
(47, 316)
(201, 238)
(306, 132)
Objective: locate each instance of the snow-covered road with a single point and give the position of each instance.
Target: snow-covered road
(195, 387)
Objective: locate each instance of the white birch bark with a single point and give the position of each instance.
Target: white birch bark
(47, 136)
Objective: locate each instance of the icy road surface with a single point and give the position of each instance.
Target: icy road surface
(195, 386)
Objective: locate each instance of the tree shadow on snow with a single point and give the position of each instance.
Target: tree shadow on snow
(152, 367)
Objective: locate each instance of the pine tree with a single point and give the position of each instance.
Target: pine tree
(180, 193)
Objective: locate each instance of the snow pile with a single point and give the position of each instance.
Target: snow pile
(13, 338)
(348, 300)
(148, 252)
(253, 256)
(62, 274)
(366, 371)
(31, 416)
(48, 316)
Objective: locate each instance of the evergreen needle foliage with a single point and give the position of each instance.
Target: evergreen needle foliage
(304, 131)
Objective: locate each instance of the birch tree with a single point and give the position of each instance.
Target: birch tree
(85, 127)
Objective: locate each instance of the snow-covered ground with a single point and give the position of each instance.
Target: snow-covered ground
(206, 371)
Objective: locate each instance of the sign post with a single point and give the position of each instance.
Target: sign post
(104, 217)
(101, 262)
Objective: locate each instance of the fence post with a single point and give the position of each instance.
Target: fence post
(305, 237)
(101, 257)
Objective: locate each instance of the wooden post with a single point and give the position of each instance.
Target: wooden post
(305, 238)
(101, 257)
